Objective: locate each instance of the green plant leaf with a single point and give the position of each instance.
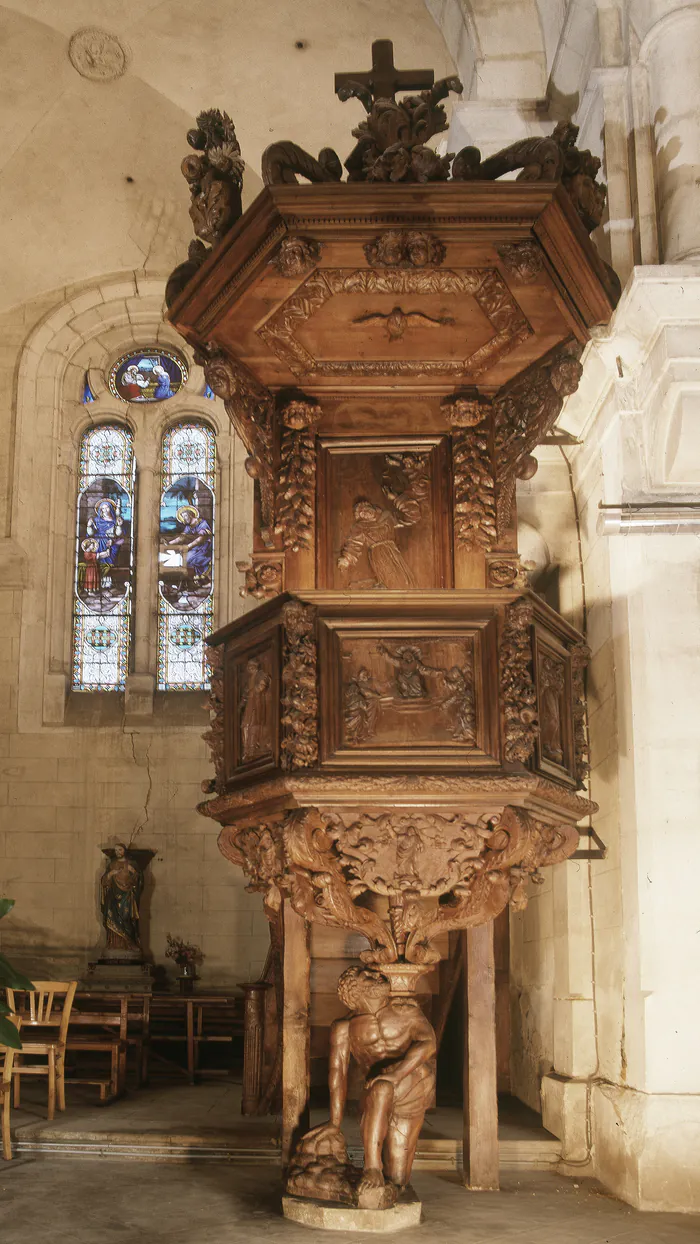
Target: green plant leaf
(10, 978)
(9, 1034)
(6, 904)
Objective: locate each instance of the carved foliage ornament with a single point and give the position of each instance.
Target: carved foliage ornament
(485, 285)
(404, 248)
(518, 693)
(580, 655)
(296, 487)
(263, 578)
(214, 735)
(439, 871)
(474, 488)
(554, 158)
(299, 687)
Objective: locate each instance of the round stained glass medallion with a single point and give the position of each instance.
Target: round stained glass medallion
(148, 376)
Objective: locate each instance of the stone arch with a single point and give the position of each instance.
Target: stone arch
(85, 333)
(500, 50)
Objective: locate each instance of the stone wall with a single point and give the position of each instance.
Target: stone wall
(82, 771)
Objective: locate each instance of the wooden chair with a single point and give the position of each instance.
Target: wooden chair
(36, 1009)
(5, 1089)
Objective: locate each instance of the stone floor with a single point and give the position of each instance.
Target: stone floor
(176, 1121)
(64, 1201)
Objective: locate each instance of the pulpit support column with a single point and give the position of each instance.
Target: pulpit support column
(480, 1144)
(295, 1030)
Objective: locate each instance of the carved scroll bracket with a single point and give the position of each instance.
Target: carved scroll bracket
(249, 405)
(523, 415)
(439, 871)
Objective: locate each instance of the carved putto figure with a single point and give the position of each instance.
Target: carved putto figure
(393, 1044)
(120, 893)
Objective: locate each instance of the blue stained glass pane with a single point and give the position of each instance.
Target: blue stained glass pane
(104, 560)
(186, 557)
(88, 395)
(208, 393)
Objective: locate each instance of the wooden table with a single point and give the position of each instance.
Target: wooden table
(194, 1006)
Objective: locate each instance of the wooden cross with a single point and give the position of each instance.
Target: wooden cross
(384, 79)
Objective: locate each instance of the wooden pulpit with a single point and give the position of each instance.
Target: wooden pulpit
(398, 728)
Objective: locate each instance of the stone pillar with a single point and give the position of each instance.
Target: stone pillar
(641, 457)
(671, 51)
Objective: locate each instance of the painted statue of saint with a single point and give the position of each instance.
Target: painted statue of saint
(120, 892)
(374, 529)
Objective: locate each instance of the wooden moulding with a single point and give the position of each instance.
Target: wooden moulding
(235, 301)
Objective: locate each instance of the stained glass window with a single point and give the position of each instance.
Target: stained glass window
(186, 556)
(149, 376)
(104, 560)
(88, 395)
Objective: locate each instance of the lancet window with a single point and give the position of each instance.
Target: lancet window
(104, 560)
(186, 556)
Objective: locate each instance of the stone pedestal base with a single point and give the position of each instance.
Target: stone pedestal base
(333, 1217)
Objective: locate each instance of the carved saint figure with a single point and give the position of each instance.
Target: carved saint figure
(360, 707)
(374, 529)
(254, 711)
(409, 844)
(394, 1046)
(407, 659)
(551, 691)
(120, 891)
(459, 704)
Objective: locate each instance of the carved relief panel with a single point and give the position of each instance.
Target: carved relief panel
(251, 700)
(384, 514)
(409, 694)
(559, 752)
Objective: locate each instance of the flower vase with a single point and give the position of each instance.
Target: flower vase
(187, 977)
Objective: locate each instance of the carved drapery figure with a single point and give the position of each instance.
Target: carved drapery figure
(360, 707)
(255, 711)
(551, 682)
(393, 1044)
(120, 894)
(406, 486)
